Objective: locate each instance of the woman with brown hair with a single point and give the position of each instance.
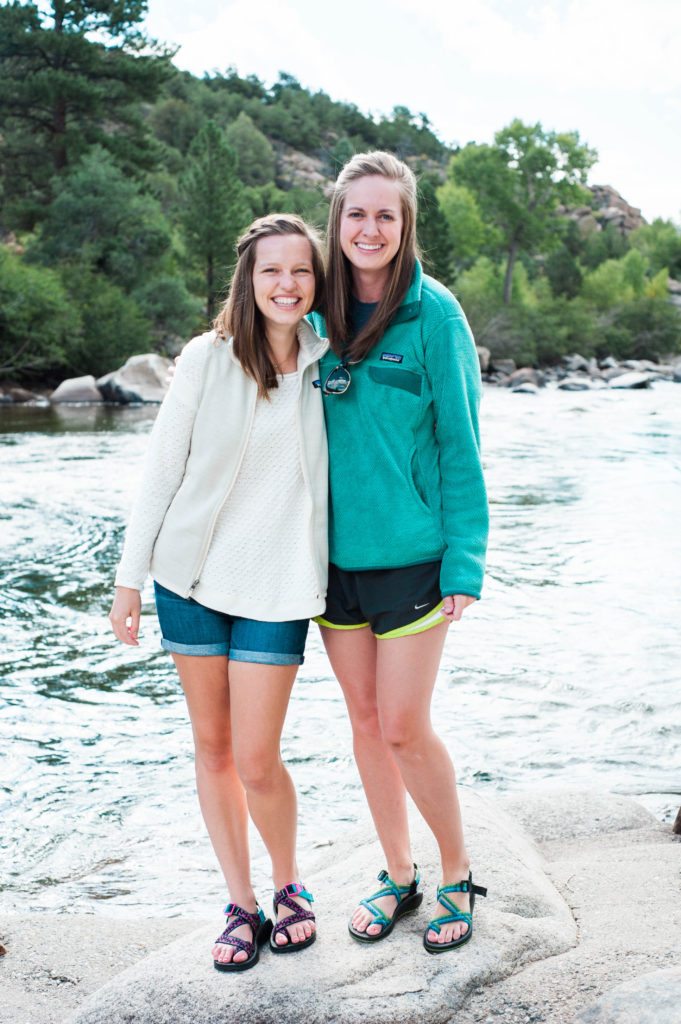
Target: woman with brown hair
(408, 526)
(231, 521)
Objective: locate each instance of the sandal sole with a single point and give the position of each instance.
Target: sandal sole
(409, 905)
(261, 937)
(435, 947)
(292, 947)
(431, 947)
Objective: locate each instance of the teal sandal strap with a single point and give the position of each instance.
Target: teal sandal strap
(455, 913)
(391, 888)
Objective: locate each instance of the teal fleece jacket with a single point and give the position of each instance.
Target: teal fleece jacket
(406, 481)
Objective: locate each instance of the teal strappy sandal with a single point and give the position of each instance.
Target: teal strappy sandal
(455, 914)
(408, 901)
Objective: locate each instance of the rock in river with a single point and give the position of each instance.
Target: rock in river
(631, 380)
(142, 379)
(76, 389)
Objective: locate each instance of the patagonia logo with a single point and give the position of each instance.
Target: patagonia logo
(391, 357)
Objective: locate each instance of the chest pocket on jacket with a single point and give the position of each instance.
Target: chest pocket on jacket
(395, 377)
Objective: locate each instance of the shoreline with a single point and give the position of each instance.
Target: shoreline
(145, 381)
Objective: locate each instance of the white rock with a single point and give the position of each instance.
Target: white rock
(631, 380)
(142, 379)
(575, 384)
(484, 356)
(77, 389)
(523, 920)
(654, 998)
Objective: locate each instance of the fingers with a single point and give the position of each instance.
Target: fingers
(455, 605)
(125, 615)
(134, 626)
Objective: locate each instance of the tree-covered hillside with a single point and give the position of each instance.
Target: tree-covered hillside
(124, 183)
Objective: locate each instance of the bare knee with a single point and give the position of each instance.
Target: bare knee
(213, 755)
(364, 720)
(259, 772)
(404, 736)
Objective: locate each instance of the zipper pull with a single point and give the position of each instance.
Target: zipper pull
(193, 587)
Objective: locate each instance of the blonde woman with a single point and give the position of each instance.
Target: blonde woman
(231, 521)
(408, 526)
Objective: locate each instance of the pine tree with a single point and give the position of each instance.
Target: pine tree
(214, 206)
(72, 73)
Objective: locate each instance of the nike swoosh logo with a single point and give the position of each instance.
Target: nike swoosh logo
(418, 606)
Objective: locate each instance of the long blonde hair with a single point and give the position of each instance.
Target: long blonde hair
(339, 272)
(240, 316)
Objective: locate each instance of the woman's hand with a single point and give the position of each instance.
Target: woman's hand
(125, 615)
(455, 605)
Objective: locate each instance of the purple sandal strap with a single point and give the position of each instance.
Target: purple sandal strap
(233, 940)
(298, 914)
(304, 915)
(240, 917)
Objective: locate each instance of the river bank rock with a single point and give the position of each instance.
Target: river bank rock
(503, 366)
(484, 356)
(634, 379)
(575, 384)
(654, 998)
(141, 379)
(76, 389)
(524, 919)
(525, 375)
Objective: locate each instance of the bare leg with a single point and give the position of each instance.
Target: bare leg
(205, 681)
(259, 696)
(406, 672)
(352, 654)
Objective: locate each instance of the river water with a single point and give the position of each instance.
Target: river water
(565, 675)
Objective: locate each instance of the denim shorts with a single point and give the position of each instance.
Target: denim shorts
(190, 628)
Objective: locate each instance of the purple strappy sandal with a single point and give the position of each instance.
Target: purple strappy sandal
(261, 927)
(283, 898)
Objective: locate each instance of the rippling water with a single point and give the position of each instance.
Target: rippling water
(566, 674)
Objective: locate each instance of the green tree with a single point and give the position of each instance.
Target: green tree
(563, 272)
(101, 220)
(467, 230)
(605, 287)
(112, 324)
(214, 208)
(520, 181)
(174, 123)
(254, 151)
(660, 242)
(171, 311)
(72, 73)
(433, 232)
(645, 328)
(599, 246)
(37, 320)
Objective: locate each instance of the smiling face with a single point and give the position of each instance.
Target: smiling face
(283, 279)
(371, 224)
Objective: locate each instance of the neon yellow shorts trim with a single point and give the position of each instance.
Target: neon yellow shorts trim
(321, 621)
(427, 621)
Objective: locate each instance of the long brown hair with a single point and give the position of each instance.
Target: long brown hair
(240, 316)
(339, 271)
